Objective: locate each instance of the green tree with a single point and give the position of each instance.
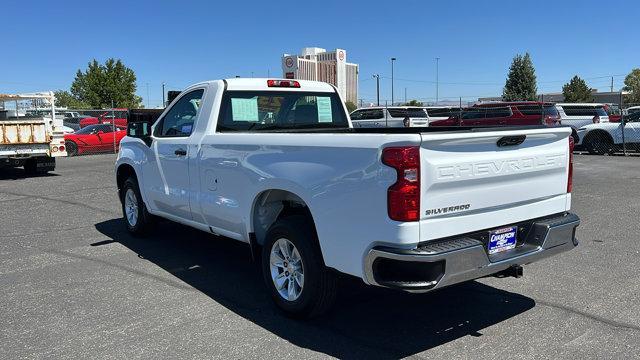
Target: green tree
(413, 103)
(350, 106)
(101, 84)
(65, 99)
(521, 81)
(632, 85)
(576, 91)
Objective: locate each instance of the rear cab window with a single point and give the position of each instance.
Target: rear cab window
(280, 110)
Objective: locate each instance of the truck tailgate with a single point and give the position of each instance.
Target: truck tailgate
(469, 182)
(31, 131)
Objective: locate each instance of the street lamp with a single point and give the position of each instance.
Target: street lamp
(377, 77)
(392, 60)
(437, 79)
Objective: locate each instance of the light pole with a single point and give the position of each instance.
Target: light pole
(437, 78)
(377, 77)
(163, 102)
(392, 60)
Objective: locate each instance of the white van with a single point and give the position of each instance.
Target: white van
(396, 116)
(578, 115)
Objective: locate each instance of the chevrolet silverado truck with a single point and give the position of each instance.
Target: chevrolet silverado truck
(277, 164)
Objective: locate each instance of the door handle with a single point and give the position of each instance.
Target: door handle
(180, 152)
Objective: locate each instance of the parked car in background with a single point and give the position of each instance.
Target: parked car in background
(607, 137)
(104, 118)
(94, 139)
(31, 139)
(613, 111)
(437, 113)
(578, 115)
(632, 109)
(392, 116)
(504, 114)
(67, 130)
(71, 114)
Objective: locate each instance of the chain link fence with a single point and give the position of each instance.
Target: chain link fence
(597, 128)
(99, 131)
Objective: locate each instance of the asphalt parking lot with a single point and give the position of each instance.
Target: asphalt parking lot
(76, 285)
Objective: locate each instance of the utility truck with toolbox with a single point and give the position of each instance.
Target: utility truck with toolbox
(277, 164)
(31, 140)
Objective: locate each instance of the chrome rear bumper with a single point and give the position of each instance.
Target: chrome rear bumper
(440, 263)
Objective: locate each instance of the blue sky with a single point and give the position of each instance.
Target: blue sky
(182, 42)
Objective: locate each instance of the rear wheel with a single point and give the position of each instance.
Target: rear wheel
(598, 143)
(134, 211)
(72, 148)
(293, 269)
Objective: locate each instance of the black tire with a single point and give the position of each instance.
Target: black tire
(575, 136)
(598, 143)
(320, 283)
(72, 148)
(143, 221)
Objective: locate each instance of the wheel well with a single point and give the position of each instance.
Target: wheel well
(601, 133)
(271, 205)
(574, 134)
(124, 172)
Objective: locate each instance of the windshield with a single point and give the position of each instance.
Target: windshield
(86, 129)
(274, 110)
(99, 127)
(412, 113)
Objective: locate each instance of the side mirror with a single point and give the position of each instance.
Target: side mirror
(140, 130)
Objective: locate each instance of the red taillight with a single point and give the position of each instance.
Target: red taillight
(61, 148)
(403, 197)
(596, 119)
(570, 176)
(283, 83)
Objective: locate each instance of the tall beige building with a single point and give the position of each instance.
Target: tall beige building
(322, 65)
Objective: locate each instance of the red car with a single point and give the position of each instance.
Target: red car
(613, 110)
(94, 138)
(504, 114)
(106, 117)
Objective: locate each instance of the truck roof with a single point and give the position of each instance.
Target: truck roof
(581, 104)
(261, 84)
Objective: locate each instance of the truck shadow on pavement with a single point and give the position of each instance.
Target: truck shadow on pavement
(20, 174)
(366, 322)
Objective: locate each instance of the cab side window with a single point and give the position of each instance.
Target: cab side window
(180, 119)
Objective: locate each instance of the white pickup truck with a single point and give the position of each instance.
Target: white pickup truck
(277, 164)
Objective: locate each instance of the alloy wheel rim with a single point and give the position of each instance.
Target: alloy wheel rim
(131, 207)
(287, 269)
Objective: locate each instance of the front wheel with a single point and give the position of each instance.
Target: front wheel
(134, 211)
(598, 144)
(293, 269)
